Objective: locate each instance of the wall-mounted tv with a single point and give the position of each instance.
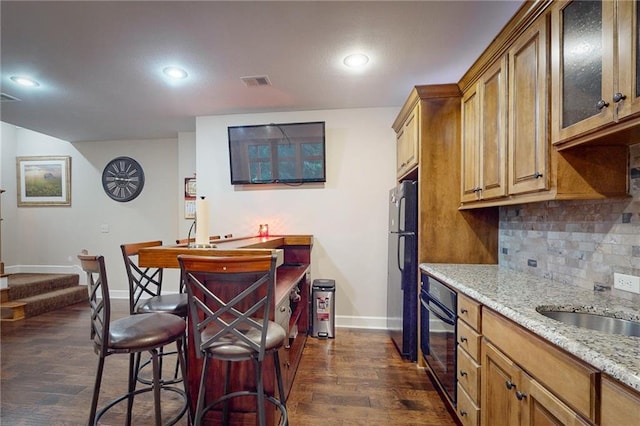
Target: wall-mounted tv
(290, 153)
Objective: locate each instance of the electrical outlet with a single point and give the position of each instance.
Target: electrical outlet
(626, 282)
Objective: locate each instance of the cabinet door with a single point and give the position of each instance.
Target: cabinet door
(408, 139)
(500, 377)
(493, 131)
(582, 67)
(627, 96)
(484, 136)
(470, 146)
(528, 137)
(539, 407)
(620, 404)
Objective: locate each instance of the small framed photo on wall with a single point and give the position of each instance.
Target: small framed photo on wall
(43, 181)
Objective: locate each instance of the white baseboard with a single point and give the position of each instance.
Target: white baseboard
(375, 323)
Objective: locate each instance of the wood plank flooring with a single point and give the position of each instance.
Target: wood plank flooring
(48, 370)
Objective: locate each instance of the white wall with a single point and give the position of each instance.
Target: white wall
(49, 238)
(347, 215)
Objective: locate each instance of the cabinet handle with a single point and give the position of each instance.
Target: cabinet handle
(463, 339)
(463, 413)
(520, 395)
(510, 385)
(463, 373)
(537, 175)
(601, 104)
(463, 311)
(618, 97)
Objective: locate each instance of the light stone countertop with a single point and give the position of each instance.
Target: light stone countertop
(516, 296)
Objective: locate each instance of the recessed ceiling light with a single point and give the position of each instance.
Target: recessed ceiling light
(175, 72)
(357, 60)
(24, 81)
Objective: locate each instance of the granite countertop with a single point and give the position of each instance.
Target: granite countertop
(516, 296)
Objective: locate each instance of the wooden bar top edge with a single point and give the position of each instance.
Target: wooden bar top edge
(166, 256)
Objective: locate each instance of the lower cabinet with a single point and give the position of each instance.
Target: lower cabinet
(620, 405)
(512, 397)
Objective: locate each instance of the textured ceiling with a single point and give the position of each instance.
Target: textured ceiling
(99, 63)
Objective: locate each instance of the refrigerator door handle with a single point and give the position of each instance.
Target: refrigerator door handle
(400, 264)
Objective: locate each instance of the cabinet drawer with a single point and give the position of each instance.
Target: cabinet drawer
(570, 379)
(469, 340)
(469, 375)
(469, 311)
(468, 412)
(620, 404)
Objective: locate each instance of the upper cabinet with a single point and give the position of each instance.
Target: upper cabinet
(524, 121)
(408, 139)
(528, 137)
(484, 136)
(595, 86)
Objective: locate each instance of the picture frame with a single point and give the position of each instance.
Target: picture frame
(43, 181)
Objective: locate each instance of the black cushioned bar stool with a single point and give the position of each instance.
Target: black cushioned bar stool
(131, 335)
(229, 304)
(145, 296)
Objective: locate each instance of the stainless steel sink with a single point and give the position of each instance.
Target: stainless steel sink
(595, 322)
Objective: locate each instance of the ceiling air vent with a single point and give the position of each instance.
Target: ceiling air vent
(257, 80)
(7, 98)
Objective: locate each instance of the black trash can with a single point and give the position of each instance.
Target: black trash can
(323, 309)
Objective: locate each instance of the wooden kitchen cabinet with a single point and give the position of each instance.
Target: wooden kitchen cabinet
(484, 136)
(536, 170)
(528, 141)
(517, 83)
(408, 139)
(469, 368)
(512, 397)
(528, 381)
(620, 405)
(594, 72)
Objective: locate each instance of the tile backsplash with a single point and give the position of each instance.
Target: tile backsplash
(576, 242)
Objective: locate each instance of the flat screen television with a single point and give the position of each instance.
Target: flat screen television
(291, 153)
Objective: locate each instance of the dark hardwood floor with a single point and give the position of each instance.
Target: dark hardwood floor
(48, 370)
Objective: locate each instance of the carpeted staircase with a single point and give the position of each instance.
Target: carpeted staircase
(31, 294)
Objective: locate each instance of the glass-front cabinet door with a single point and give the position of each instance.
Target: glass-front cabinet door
(582, 66)
(627, 95)
(595, 63)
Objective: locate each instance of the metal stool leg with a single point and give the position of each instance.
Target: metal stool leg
(96, 392)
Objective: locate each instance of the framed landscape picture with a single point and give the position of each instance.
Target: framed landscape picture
(44, 181)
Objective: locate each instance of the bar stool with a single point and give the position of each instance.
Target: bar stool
(145, 296)
(229, 303)
(129, 335)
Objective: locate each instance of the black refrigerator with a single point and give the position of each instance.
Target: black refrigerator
(402, 270)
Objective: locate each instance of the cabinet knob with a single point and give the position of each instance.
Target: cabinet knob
(618, 97)
(463, 311)
(463, 413)
(520, 395)
(463, 373)
(510, 385)
(463, 339)
(537, 175)
(283, 309)
(601, 104)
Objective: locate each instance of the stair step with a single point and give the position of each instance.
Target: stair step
(12, 311)
(23, 285)
(52, 300)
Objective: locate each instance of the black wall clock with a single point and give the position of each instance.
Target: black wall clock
(123, 179)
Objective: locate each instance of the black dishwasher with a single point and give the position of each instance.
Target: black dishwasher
(438, 307)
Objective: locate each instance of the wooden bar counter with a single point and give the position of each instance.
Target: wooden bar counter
(292, 277)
